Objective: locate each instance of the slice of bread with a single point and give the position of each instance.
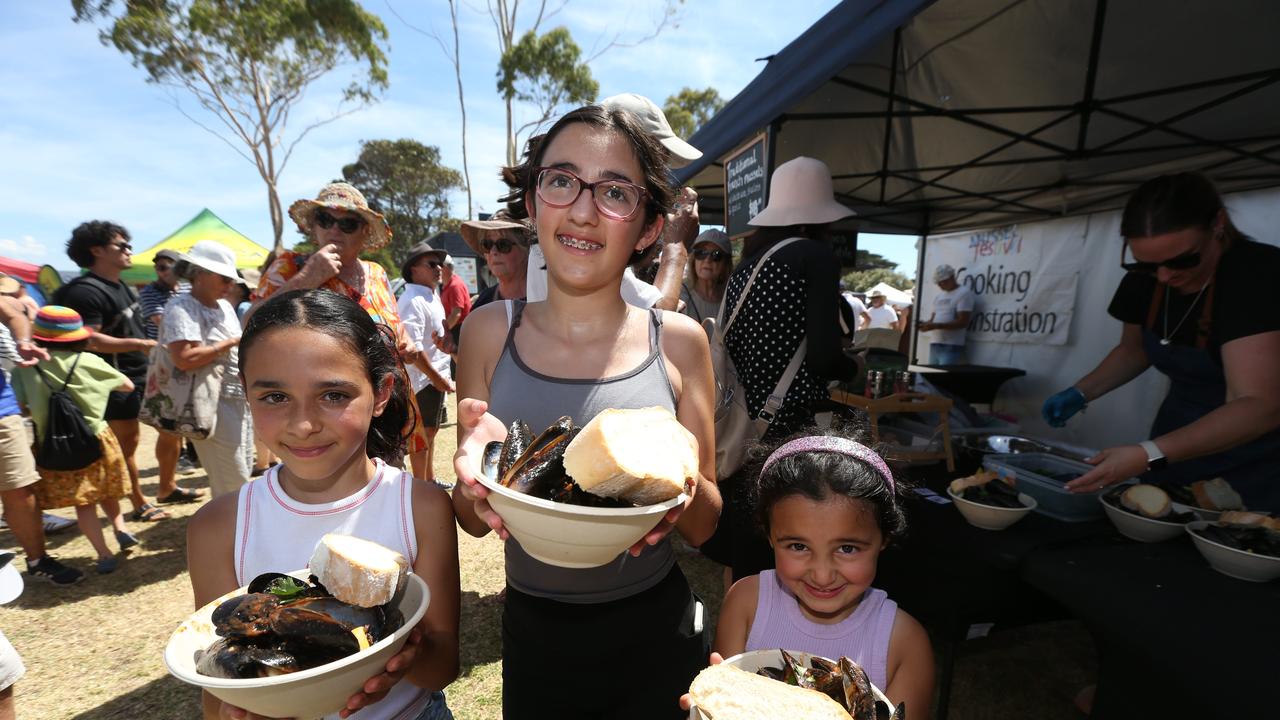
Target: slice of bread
(1216, 494)
(642, 456)
(724, 692)
(1236, 517)
(358, 571)
(1147, 500)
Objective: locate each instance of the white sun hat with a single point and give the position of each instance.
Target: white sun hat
(213, 256)
(655, 122)
(801, 193)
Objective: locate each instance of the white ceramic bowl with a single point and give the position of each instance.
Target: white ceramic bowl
(1230, 561)
(753, 660)
(1142, 529)
(1199, 512)
(990, 517)
(572, 536)
(305, 694)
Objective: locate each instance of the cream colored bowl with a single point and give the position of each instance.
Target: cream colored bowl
(572, 536)
(1137, 527)
(753, 660)
(1230, 561)
(304, 694)
(990, 517)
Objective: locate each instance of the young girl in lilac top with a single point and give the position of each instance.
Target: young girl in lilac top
(829, 506)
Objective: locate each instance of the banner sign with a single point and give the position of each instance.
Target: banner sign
(746, 184)
(1023, 279)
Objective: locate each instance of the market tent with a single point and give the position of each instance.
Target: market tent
(204, 226)
(957, 114)
(892, 295)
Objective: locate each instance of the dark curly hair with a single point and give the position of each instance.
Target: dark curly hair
(819, 476)
(89, 235)
(650, 153)
(339, 317)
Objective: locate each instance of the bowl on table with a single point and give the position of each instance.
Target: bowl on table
(572, 536)
(305, 694)
(753, 660)
(991, 517)
(1238, 564)
(1138, 527)
(1202, 513)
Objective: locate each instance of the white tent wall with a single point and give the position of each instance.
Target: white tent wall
(1125, 414)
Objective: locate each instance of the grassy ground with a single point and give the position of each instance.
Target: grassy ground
(93, 651)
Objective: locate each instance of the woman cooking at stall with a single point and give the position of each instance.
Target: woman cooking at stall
(1200, 304)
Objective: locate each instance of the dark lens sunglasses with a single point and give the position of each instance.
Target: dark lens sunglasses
(122, 247)
(503, 246)
(347, 225)
(713, 255)
(1185, 261)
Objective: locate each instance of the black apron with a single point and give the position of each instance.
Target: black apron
(1198, 386)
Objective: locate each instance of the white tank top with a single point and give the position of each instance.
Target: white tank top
(275, 533)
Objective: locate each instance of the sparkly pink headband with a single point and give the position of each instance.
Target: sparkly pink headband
(826, 443)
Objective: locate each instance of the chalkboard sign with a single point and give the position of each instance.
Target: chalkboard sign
(845, 247)
(746, 185)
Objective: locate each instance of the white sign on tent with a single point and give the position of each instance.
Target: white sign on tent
(1024, 281)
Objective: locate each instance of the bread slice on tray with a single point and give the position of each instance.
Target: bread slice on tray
(642, 456)
(358, 571)
(724, 692)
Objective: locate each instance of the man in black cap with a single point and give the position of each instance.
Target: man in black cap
(423, 317)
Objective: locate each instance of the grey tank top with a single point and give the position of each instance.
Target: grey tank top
(518, 392)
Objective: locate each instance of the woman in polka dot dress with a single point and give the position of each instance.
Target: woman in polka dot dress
(791, 300)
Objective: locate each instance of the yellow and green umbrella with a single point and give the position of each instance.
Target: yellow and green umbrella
(204, 226)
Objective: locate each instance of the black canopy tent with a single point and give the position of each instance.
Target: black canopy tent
(959, 114)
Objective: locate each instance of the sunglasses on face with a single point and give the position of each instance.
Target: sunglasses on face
(617, 199)
(435, 264)
(712, 255)
(347, 225)
(164, 267)
(1185, 261)
(503, 245)
(122, 247)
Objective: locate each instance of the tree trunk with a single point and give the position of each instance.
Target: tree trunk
(511, 138)
(457, 71)
(277, 216)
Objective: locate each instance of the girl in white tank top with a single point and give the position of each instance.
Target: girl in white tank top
(327, 396)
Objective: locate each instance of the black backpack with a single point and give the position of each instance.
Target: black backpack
(68, 443)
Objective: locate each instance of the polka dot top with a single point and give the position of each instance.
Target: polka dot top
(791, 299)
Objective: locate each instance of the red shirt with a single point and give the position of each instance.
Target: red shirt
(455, 295)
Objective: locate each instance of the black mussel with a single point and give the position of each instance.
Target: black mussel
(239, 659)
(328, 622)
(859, 699)
(772, 673)
(900, 712)
(541, 471)
(823, 664)
(265, 580)
(793, 671)
(491, 460)
(518, 438)
(996, 493)
(245, 616)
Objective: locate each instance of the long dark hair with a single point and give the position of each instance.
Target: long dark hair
(1170, 203)
(652, 156)
(339, 317)
(820, 476)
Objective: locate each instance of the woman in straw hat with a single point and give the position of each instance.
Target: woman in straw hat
(341, 224)
(89, 380)
(200, 328)
(789, 303)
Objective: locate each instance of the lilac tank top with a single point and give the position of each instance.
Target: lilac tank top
(863, 637)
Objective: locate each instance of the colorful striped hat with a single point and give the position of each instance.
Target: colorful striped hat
(58, 324)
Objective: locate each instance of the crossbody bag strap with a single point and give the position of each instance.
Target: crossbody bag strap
(720, 321)
(773, 403)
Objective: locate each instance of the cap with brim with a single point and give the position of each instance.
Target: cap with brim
(654, 121)
(473, 231)
(801, 193)
(166, 254)
(715, 237)
(250, 277)
(9, 284)
(342, 196)
(215, 257)
(416, 252)
(59, 324)
(942, 272)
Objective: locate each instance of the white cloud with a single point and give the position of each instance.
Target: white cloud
(24, 248)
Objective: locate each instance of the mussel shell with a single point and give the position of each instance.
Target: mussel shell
(245, 616)
(859, 699)
(540, 472)
(491, 460)
(263, 581)
(327, 622)
(519, 435)
(240, 659)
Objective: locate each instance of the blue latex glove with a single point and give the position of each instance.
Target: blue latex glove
(1059, 408)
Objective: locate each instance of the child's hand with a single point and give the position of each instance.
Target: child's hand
(477, 429)
(686, 702)
(666, 525)
(377, 687)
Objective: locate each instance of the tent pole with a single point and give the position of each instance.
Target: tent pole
(915, 308)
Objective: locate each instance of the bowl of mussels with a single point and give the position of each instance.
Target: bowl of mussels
(1243, 545)
(1144, 512)
(285, 646)
(579, 497)
(791, 684)
(989, 501)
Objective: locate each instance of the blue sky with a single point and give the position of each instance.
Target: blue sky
(83, 136)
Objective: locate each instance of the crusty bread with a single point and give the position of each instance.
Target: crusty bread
(1236, 517)
(724, 692)
(641, 456)
(358, 571)
(1216, 494)
(1147, 500)
(978, 479)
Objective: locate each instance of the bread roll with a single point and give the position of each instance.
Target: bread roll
(1147, 500)
(641, 456)
(1236, 517)
(724, 692)
(358, 571)
(1216, 494)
